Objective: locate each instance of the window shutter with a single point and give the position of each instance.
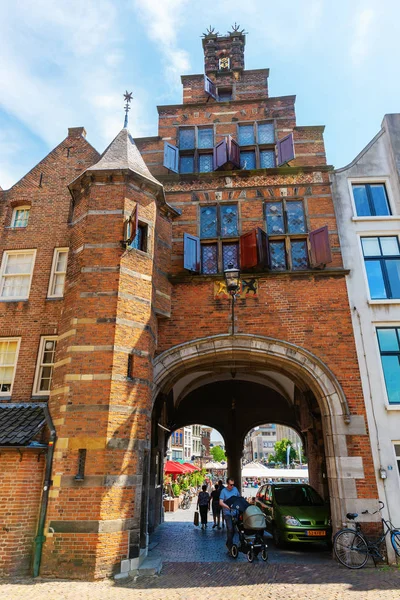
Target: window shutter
(262, 248)
(248, 250)
(210, 88)
(233, 152)
(320, 247)
(131, 226)
(285, 149)
(220, 154)
(191, 253)
(171, 157)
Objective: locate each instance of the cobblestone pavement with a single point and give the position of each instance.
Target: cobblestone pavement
(196, 566)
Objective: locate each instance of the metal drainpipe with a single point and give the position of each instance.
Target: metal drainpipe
(40, 538)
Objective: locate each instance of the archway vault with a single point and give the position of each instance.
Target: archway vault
(222, 353)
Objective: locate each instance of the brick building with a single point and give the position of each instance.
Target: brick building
(116, 322)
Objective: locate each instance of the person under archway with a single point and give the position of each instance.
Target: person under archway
(216, 509)
(203, 504)
(226, 493)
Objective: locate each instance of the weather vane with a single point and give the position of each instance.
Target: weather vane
(128, 100)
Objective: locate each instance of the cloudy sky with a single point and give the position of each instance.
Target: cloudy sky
(67, 63)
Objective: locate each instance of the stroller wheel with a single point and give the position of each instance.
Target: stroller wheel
(264, 554)
(234, 551)
(250, 556)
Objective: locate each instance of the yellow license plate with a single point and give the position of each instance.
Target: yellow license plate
(315, 533)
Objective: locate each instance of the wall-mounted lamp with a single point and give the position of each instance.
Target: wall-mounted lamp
(232, 280)
(382, 473)
(80, 476)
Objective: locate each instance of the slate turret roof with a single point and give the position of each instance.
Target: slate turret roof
(123, 153)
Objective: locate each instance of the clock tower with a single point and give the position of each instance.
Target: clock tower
(224, 54)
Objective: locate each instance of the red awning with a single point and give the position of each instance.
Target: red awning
(191, 467)
(174, 468)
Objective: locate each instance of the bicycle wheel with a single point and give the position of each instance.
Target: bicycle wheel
(350, 549)
(395, 539)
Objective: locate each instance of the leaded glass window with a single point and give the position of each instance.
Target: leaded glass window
(299, 255)
(295, 217)
(206, 163)
(186, 164)
(230, 255)
(267, 159)
(209, 259)
(248, 160)
(278, 256)
(208, 222)
(205, 138)
(266, 133)
(275, 222)
(186, 138)
(229, 220)
(246, 135)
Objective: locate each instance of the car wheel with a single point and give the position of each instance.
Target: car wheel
(250, 556)
(234, 551)
(277, 537)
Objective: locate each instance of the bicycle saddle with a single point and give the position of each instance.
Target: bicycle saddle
(352, 516)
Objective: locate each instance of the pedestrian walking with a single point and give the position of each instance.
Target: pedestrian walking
(221, 487)
(216, 509)
(226, 493)
(203, 504)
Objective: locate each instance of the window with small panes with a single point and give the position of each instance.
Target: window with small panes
(287, 235)
(219, 237)
(196, 146)
(257, 145)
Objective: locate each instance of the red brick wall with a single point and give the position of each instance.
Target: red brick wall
(21, 479)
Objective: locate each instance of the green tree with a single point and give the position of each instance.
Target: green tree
(218, 454)
(280, 448)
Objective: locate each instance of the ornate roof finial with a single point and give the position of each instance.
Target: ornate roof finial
(210, 31)
(236, 29)
(128, 100)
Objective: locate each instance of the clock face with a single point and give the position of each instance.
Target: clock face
(224, 63)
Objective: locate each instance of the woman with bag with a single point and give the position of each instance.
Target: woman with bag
(203, 504)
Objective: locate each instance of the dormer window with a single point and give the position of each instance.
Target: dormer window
(20, 216)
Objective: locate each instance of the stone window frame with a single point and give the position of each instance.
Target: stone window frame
(8, 393)
(54, 273)
(379, 234)
(3, 275)
(389, 192)
(396, 449)
(258, 147)
(40, 365)
(22, 207)
(390, 406)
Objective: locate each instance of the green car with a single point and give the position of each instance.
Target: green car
(295, 512)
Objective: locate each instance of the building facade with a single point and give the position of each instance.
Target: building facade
(259, 443)
(367, 198)
(117, 328)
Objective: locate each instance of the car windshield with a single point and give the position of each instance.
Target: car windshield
(297, 495)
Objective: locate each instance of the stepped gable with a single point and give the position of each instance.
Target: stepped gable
(123, 153)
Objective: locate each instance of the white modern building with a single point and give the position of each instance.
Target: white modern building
(187, 443)
(367, 200)
(196, 440)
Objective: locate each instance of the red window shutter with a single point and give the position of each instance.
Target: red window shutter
(262, 248)
(248, 250)
(233, 152)
(210, 88)
(285, 149)
(171, 157)
(191, 253)
(320, 247)
(220, 154)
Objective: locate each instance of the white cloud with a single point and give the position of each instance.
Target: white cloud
(359, 48)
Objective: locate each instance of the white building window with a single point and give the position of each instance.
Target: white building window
(45, 365)
(16, 274)
(397, 451)
(9, 348)
(58, 272)
(20, 216)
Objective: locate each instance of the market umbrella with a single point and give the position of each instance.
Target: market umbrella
(173, 468)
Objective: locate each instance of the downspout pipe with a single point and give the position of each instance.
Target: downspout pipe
(40, 538)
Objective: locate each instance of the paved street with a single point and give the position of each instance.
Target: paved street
(196, 566)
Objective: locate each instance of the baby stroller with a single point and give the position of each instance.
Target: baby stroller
(249, 522)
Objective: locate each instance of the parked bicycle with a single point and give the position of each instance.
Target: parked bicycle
(186, 501)
(353, 549)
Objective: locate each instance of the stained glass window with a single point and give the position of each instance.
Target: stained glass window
(246, 135)
(206, 163)
(186, 138)
(248, 160)
(278, 255)
(230, 255)
(267, 159)
(186, 164)
(205, 138)
(275, 223)
(208, 222)
(266, 133)
(299, 255)
(209, 259)
(295, 217)
(229, 220)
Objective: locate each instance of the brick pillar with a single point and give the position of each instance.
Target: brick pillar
(94, 523)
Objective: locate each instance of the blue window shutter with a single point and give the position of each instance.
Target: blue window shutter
(171, 157)
(210, 88)
(191, 253)
(285, 148)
